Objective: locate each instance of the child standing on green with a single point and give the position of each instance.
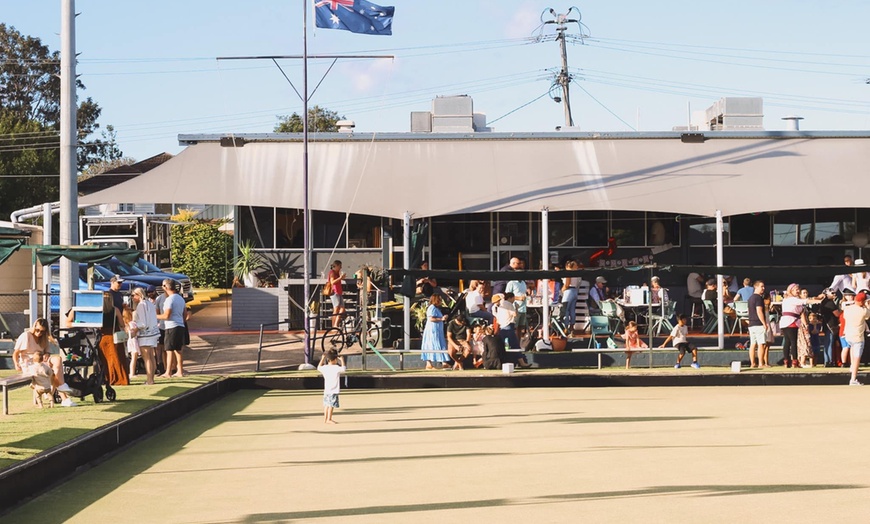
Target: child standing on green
(331, 366)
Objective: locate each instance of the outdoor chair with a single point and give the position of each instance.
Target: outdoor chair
(711, 325)
(696, 313)
(599, 325)
(741, 307)
(657, 321)
(609, 310)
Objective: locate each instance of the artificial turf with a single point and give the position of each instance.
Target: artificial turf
(29, 430)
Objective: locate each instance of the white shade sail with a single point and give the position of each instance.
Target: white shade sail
(430, 175)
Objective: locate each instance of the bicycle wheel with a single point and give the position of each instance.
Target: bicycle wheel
(373, 334)
(333, 338)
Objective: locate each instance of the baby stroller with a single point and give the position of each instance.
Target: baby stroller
(81, 354)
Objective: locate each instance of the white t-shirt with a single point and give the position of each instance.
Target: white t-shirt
(505, 313)
(331, 374)
(473, 301)
(680, 335)
(27, 345)
(693, 287)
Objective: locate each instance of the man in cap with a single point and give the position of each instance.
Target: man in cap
(598, 294)
(115, 288)
(855, 317)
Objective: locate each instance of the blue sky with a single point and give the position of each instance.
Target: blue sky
(152, 65)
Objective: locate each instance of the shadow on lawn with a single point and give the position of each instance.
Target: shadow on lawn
(79, 495)
(716, 490)
(47, 439)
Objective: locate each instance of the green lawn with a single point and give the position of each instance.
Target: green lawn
(28, 430)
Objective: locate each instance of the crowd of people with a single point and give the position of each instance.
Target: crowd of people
(156, 332)
(814, 329)
(496, 318)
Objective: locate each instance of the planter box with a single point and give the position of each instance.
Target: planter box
(253, 306)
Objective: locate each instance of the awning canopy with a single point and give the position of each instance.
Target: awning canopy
(431, 175)
(12, 232)
(8, 246)
(87, 254)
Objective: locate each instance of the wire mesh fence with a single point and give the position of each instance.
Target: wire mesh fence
(15, 314)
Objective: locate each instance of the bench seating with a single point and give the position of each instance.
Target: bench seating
(8, 383)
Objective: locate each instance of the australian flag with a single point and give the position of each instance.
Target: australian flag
(356, 16)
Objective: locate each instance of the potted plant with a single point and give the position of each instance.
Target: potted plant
(248, 262)
(418, 315)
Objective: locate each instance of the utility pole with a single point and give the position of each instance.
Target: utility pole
(563, 78)
(69, 229)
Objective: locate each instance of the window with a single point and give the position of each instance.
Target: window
(395, 228)
(835, 226)
(628, 228)
(592, 228)
(750, 230)
(561, 228)
(511, 229)
(702, 232)
(363, 231)
(257, 225)
(289, 228)
(793, 228)
(328, 230)
(467, 233)
(662, 228)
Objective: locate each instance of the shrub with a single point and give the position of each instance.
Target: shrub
(201, 251)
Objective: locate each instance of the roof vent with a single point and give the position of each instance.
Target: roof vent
(793, 123)
(345, 126)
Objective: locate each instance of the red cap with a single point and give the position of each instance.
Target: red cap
(861, 297)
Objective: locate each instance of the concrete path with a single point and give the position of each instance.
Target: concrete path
(503, 455)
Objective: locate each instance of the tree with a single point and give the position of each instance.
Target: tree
(107, 154)
(30, 123)
(319, 120)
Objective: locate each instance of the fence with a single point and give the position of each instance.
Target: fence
(14, 315)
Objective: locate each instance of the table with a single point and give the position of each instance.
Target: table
(639, 312)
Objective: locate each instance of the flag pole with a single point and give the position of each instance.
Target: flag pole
(306, 245)
(306, 212)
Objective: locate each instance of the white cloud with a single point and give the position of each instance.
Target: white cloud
(372, 75)
(525, 19)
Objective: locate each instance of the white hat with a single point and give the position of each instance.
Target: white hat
(859, 262)
(600, 280)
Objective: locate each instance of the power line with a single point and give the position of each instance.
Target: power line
(752, 50)
(512, 111)
(711, 61)
(604, 106)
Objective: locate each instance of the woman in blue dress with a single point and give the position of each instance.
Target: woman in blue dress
(434, 338)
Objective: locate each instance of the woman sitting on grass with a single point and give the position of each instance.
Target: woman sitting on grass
(37, 340)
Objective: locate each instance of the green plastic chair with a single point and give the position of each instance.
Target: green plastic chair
(599, 325)
(657, 321)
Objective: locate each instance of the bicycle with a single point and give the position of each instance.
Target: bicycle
(349, 332)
